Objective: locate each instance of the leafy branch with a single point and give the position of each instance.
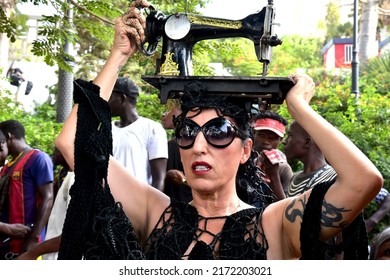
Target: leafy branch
(7, 26)
(81, 8)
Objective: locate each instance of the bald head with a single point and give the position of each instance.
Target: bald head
(298, 143)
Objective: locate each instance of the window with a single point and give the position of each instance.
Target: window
(347, 53)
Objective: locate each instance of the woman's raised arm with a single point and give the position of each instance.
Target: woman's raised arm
(129, 33)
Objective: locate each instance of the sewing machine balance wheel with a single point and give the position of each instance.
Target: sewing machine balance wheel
(177, 26)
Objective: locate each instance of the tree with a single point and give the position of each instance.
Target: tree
(375, 15)
(332, 21)
(368, 44)
(8, 30)
(90, 29)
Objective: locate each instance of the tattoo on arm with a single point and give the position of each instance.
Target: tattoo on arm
(292, 213)
(333, 216)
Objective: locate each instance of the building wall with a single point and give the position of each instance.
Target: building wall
(329, 58)
(340, 57)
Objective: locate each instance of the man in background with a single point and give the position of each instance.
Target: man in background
(30, 196)
(269, 129)
(299, 145)
(139, 143)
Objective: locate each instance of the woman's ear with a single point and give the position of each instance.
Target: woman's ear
(248, 143)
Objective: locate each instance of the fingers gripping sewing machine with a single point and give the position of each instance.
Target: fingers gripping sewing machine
(180, 32)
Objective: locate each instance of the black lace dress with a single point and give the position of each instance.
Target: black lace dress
(178, 229)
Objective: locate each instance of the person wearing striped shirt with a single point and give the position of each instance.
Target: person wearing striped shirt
(300, 146)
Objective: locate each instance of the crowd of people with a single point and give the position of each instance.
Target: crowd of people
(221, 188)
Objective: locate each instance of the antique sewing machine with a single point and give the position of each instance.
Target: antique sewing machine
(181, 31)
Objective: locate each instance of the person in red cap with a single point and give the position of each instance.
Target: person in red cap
(269, 129)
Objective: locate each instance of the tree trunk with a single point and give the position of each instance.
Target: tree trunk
(65, 82)
(368, 44)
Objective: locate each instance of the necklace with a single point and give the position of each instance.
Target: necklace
(11, 162)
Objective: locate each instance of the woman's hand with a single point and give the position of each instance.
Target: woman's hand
(129, 35)
(299, 96)
(303, 88)
(129, 29)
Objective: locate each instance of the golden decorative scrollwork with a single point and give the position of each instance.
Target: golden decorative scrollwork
(233, 24)
(169, 67)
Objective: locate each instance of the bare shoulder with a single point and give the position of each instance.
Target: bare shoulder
(273, 229)
(157, 203)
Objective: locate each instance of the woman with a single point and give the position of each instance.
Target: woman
(211, 159)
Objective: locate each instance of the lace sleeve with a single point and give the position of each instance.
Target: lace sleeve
(95, 226)
(354, 245)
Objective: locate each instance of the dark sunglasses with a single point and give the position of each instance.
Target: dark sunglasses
(219, 133)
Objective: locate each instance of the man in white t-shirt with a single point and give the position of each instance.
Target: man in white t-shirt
(139, 143)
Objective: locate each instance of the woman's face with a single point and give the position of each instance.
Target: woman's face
(207, 168)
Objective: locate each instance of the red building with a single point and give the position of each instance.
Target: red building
(337, 53)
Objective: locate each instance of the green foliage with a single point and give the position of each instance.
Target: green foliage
(332, 20)
(35, 2)
(375, 74)
(54, 33)
(41, 127)
(8, 26)
(295, 53)
(332, 26)
(364, 120)
(237, 55)
(149, 106)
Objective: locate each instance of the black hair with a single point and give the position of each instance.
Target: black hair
(14, 128)
(251, 188)
(271, 115)
(2, 137)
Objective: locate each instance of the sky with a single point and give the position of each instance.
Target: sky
(294, 16)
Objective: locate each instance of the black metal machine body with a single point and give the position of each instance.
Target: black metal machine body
(180, 32)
